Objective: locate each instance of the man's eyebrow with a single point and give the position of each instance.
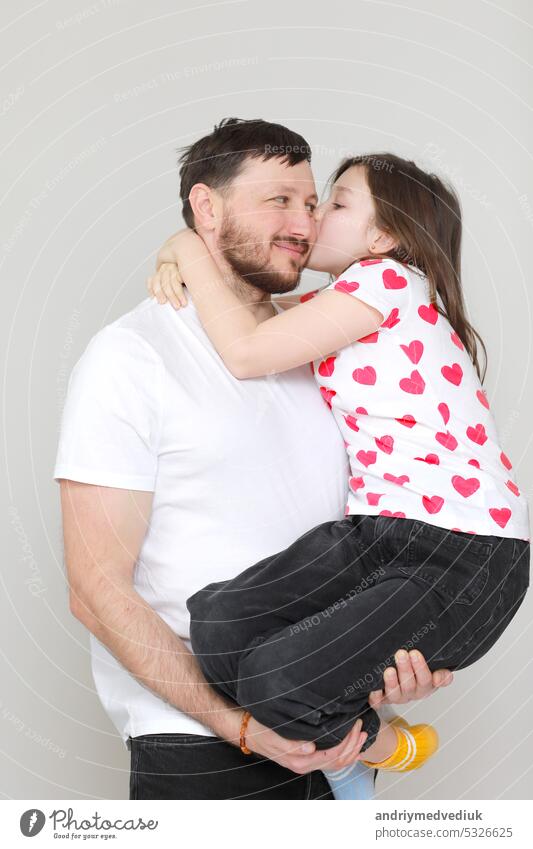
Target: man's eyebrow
(290, 190)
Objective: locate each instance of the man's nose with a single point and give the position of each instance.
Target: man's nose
(301, 224)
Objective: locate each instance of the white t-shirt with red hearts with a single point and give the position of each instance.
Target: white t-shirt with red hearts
(421, 440)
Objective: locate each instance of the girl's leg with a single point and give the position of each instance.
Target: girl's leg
(311, 681)
(325, 566)
(309, 678)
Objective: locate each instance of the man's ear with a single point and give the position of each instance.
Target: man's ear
(206, 206)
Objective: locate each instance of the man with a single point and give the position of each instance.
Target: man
(174, 475)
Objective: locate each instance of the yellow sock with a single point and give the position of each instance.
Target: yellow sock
(415, 745)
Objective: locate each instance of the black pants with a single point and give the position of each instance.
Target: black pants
(190, 766)
(302, 637)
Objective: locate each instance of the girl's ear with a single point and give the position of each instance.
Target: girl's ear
(382, 242)
(205, 206)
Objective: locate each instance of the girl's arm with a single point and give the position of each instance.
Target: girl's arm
(289, 301)
(315, 328)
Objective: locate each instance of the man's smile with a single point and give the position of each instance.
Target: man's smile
(294, 248)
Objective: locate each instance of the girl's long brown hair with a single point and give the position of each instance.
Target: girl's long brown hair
(424, 217)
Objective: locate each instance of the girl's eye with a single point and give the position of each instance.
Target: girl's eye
(337, 205)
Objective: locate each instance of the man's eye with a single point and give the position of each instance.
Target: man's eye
(281, 197)
(311, 207)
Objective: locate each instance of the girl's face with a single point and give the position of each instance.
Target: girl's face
(346, 228)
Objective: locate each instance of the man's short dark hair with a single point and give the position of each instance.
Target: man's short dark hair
(217, 159)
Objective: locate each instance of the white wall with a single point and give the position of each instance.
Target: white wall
(95, 99)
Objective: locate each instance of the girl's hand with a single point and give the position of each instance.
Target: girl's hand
(167, 285)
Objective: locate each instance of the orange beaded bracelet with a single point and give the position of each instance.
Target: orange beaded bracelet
(244, 722)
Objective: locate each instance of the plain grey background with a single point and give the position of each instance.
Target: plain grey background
(95, 99)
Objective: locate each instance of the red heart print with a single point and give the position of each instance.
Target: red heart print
(351, 421)
(347, 286)
(361, 411)
(428, 313)
(415, 384)
(392, 319)
(356, 483)
(513, 487)
(408, 420)
(456, 341)
(373, 498)
(386, 443)
(370, 261)
(327, 395)
(312, 367)
(308, 296)
(327, 367)
(482, 398)
(393, 479)
(366, 375)
(501, 517)
(465, 486)
(445, 412)
(474, 463)
(430, 458)
(391, 280)
(398, 515)
(477, 434)
(414, 350)
(432, 504)
(505, 460)
(366, 457)
(447, 440)
(372, 337)
(454, 373)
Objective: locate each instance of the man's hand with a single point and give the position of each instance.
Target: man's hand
(413, 680)
(300, 756)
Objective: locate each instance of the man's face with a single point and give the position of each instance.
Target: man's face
(268, 227)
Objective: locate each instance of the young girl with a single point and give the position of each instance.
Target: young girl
(434, 546)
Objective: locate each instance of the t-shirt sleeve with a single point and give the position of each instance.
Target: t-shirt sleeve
(110, 424)
(380, 283)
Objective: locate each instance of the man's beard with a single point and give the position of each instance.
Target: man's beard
(249, 259)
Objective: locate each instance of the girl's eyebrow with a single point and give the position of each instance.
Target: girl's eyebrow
(342, 188)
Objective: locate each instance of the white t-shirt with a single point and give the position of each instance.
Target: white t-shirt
(151, 406)
(421, 439)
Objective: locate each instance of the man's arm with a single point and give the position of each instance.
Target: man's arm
(103, 531)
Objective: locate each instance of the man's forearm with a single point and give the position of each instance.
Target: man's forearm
(148, 648)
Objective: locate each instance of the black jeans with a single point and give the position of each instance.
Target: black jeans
(301, 638)
(190, 766)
